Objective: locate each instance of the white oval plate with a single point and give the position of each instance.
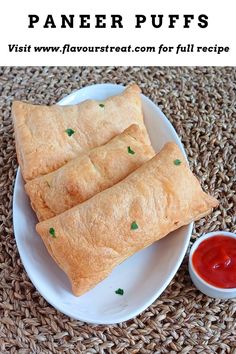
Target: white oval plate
(143, 276)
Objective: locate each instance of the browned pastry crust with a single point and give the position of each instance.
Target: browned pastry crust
(42, 142)
(89, 173)
(95, 236)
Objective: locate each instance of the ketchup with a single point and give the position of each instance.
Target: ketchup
(215, 261)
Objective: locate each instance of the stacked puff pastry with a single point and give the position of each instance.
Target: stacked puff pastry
(99, 192)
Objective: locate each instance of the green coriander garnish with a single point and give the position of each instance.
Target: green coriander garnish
(48, 184)
(101, 105)
(177, 162)
(119, 291)
(69, 131)
(130, 151)
(52, 232)
(134, 226)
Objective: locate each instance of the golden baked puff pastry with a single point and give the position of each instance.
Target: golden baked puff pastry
(49, 136)
(89, 240)
(89, 173)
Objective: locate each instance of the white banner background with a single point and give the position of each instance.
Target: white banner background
(220, 31)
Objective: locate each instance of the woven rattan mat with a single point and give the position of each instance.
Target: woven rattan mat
(200, 103)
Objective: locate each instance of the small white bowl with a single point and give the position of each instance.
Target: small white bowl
(202, 285)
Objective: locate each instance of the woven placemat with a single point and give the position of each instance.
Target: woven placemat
(200, 103)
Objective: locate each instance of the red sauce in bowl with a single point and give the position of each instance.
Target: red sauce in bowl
(215, 261)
